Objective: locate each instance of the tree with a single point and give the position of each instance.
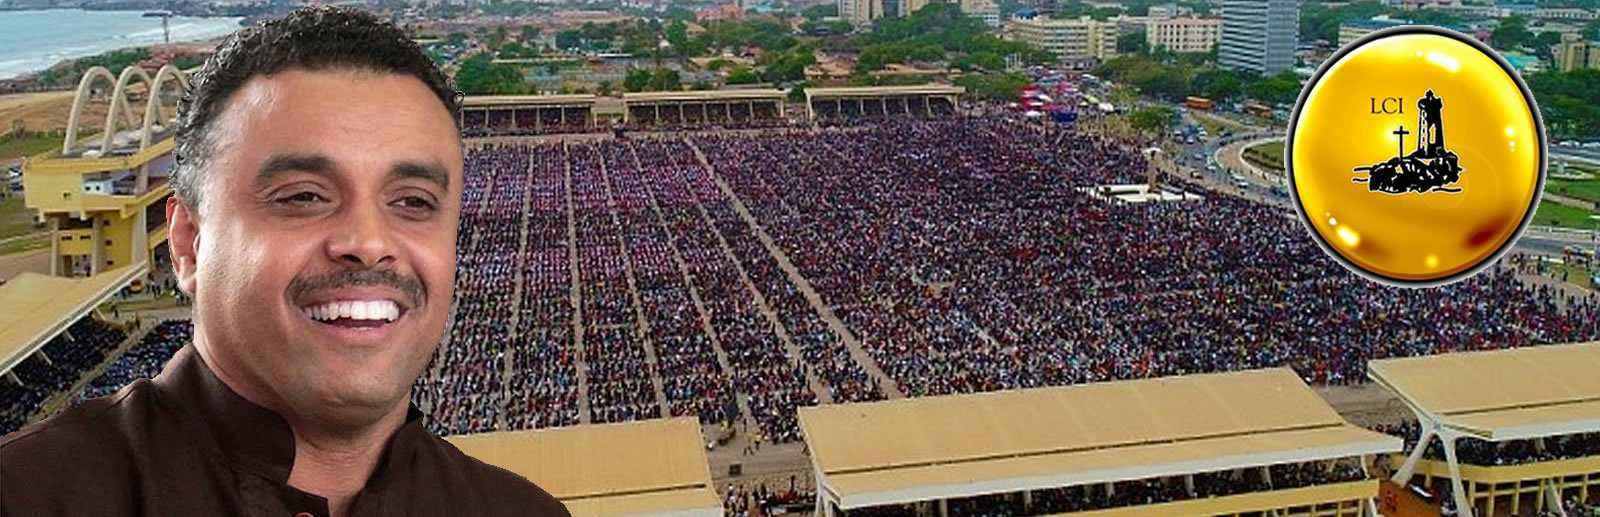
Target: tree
(994, 87)
(1278, 89)
(1217, 85)
(1545, 43)
(479, 75)
(665, 79)
(529, 34)
(1511, 33)
(818, 12)
(742, 75)
(1155, 119)
(1591, 31)
(569, 39)
(1569, 101)
(636, 80)
(605, 88)
(1132, 43)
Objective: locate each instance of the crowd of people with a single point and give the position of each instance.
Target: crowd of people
(143, 361)
(57, 365)
(1473, 451)
(1122, 494)
(967, 259)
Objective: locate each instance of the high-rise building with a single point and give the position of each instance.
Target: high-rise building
(860, 12)
(1070, 40)
(1574, 52)
(1259, 35)
(1183, 34)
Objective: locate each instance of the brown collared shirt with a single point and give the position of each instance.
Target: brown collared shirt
(185, 444)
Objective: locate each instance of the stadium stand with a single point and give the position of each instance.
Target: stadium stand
(1130, 447)
(650, 467)
(520, 115)
(1510, 425)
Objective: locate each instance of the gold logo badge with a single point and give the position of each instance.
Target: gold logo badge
(1374, 177)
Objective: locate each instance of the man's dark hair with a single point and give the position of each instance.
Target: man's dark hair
(311, 38)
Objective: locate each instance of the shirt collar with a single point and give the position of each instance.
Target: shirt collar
(252, 436)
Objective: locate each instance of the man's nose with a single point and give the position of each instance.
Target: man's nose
(363, 239)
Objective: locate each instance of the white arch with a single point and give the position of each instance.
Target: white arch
(78, 100)
(152, 106)
(119, 101)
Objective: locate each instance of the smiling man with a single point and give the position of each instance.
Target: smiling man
(317, 193)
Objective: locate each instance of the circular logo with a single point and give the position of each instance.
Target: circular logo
(1415, 156)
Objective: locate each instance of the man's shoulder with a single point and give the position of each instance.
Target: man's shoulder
(79, 459)
(506, 488)
(81, 431)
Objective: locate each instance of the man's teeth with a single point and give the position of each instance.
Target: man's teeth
(385, 310)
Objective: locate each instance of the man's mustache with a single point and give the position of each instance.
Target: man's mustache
(408, 286)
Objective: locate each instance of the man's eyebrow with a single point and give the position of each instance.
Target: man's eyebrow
(288, 162)
(432, 172)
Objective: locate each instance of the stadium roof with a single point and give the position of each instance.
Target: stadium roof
(705, 95)
(1499, 395)
(922, 449)
(646, 467)
(509, 101)
(883, 91)
(35, 308)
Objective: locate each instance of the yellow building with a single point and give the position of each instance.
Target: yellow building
(1574, 53)
(1069, 40)
(1184, 34)
(104, 196)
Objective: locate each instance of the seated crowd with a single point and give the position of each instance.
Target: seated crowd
(55, 367)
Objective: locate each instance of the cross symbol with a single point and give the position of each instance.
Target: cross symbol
(1401, 132)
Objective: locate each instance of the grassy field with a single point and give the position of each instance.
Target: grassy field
(25, 244)
(1553, 214)
(15, 218)
(1269, 155)
(1587, 190)
(28, 145)
(1575, 275)
(1215, 125)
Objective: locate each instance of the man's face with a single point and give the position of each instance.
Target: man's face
(322, 260)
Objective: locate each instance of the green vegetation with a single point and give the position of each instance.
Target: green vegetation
(939, 32)
(1587, 190)
(1268, 155)
(29, 144)
(479, 75)
(994, 87)
(1172, 77)
(1556, 214)
(15, 218)
(25, 244)
(1569, 101)
(68, 76)
(642, 79)
(1318, 21)
(1155, 119)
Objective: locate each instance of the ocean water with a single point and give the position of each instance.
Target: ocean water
(34, 40)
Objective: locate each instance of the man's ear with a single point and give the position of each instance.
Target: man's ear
(183, 237)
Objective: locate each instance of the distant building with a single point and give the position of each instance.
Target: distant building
(1354, 29)
(1419, 4)
(1070, 40)
(1565, 13)
(1169, 11)
(1574, 53)
(861, 12)
(1184, 34)
(1259, 35)
(986, 10)
(1523, 63)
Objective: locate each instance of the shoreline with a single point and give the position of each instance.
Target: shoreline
(28, 79)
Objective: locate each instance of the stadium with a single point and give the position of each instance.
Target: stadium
(881, 301)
